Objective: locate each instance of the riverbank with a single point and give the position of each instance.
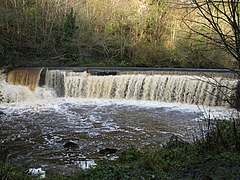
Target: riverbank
(215, 156)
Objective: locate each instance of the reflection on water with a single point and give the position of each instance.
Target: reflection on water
(36, 133)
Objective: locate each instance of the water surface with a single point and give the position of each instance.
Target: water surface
(36, 131)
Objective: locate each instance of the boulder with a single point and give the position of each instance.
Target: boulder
(108, 151)
(70, 145)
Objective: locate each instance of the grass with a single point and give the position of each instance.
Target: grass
(8, 172)
(214, 156)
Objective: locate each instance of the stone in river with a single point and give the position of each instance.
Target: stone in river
(70, 145)
(108, 151)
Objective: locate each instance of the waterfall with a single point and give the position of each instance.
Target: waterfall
(55, 80)
(21, 85)
(163, 88)
(25, 77)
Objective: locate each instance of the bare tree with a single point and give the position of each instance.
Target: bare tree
(219, 22)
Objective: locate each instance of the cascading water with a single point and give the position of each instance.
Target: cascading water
(21, 85)
(25, 77)
(55, 80)
(164, 88)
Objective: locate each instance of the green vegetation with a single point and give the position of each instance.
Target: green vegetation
(216, 155)
(11, 173)
(104, 33)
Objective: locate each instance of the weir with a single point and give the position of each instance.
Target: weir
(132, 84)
(164, 88)
(99, 71)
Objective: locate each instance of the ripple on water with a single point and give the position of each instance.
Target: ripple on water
(37, 131)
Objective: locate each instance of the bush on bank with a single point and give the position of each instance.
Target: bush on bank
(216, 155)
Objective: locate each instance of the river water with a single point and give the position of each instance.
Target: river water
(36, 132)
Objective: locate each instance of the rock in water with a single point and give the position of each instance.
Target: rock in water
(70, 145)
(108, 151)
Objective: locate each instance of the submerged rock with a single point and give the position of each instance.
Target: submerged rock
(108, 151)
(70, 145)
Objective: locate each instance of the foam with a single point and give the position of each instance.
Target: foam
(62, 105)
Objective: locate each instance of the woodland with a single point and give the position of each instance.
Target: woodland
(139, 33)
